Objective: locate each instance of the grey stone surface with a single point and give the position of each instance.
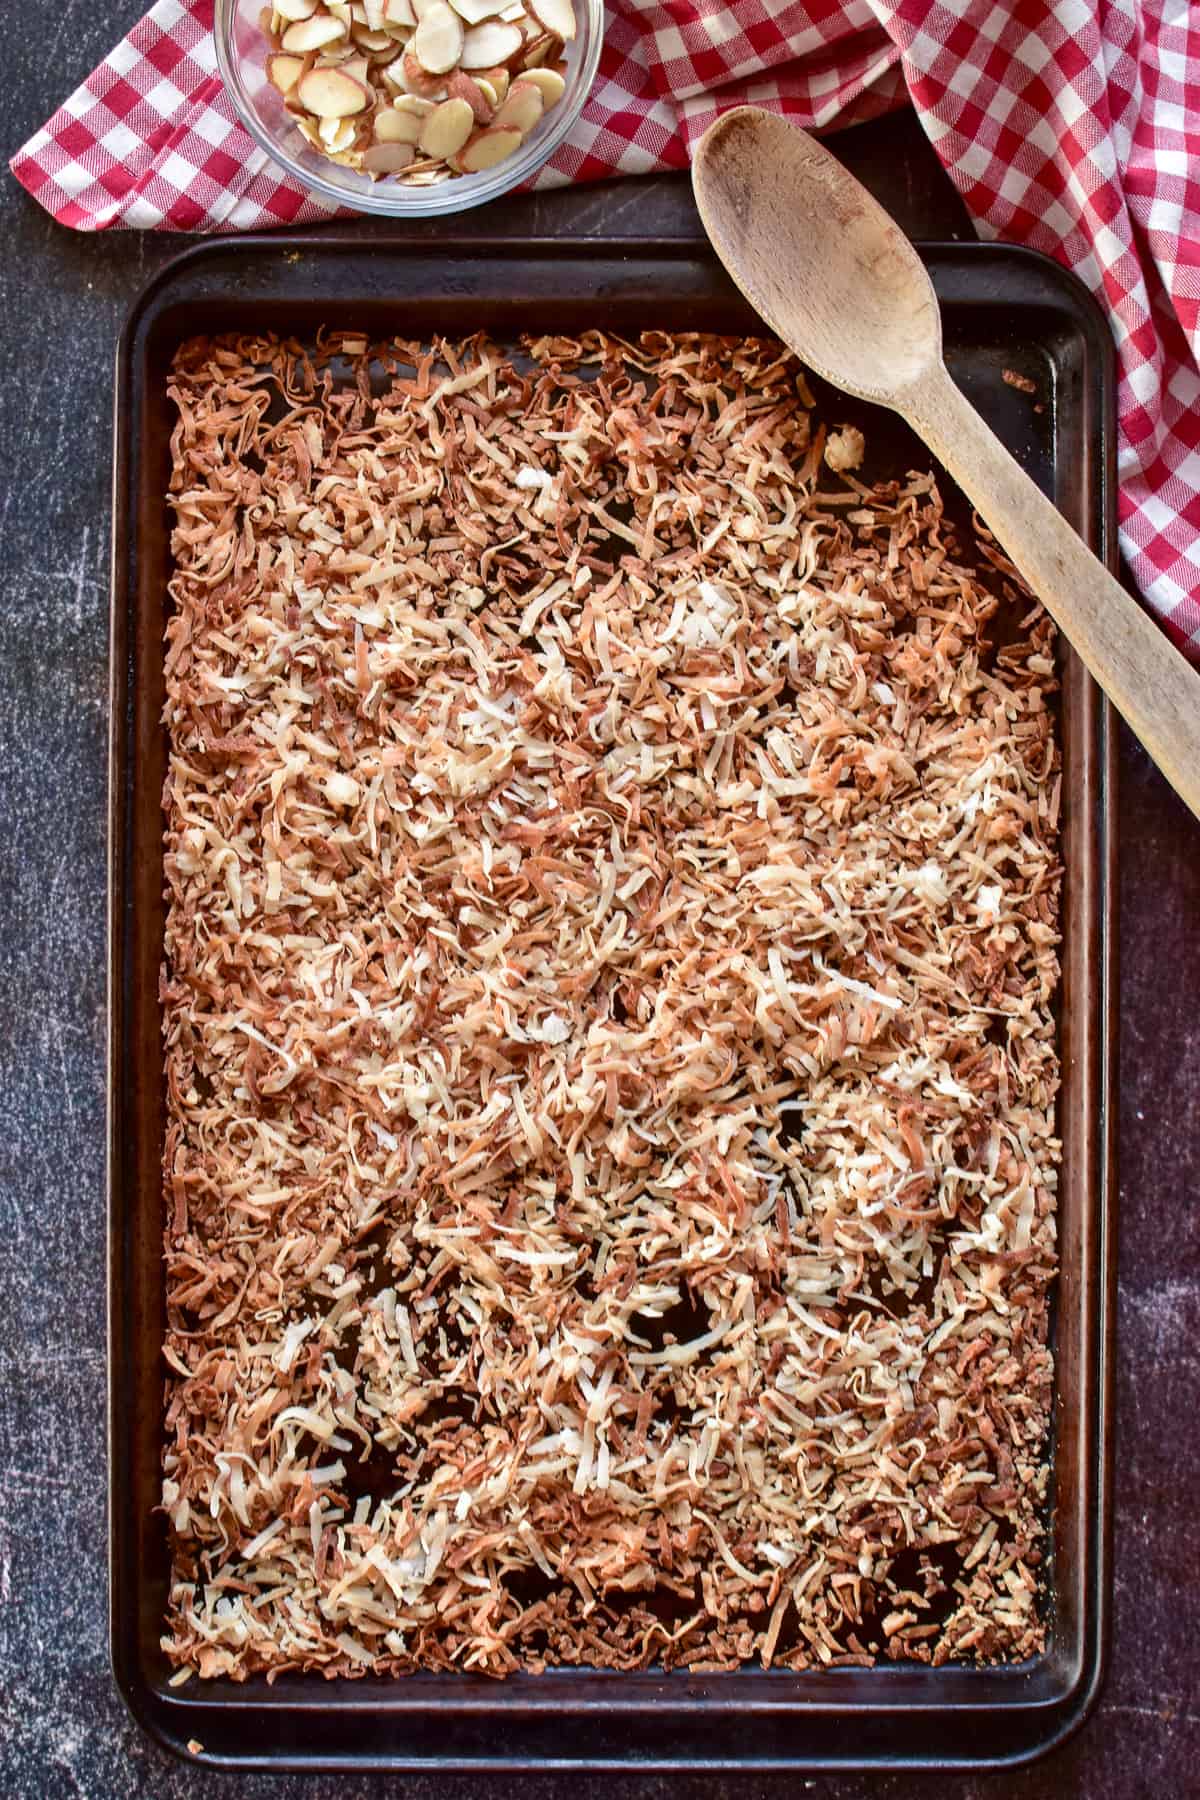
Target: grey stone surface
(63, 1729)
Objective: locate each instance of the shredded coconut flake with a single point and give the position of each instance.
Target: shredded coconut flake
(609, 1170)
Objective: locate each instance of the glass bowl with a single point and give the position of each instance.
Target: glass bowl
(242, 51)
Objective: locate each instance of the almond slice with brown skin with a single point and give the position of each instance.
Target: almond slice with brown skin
(549, 84)
(399, 12)
(328, 94)
(311, 34)
(387, 159)
(447, 129)
(295, 10)
(485, 150)
(413, 104)
(474, 12)
(460, 86)
(373, 41)
(490, 43)
(438, 39)
(498, 79)
(539, 50)
(284, 72)
(393, 127)
(418, 80)
(522, 109)
(557, 16)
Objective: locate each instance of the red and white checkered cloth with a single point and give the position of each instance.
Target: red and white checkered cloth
(1069, 125)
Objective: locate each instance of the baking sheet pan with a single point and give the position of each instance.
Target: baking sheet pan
(1004, 310)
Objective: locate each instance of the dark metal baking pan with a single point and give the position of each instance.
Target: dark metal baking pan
(1004, 310)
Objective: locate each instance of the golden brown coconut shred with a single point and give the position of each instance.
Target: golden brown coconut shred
(608, 1002)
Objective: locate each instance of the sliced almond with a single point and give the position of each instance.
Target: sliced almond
(358, 69)
(557, 16)
(513, 15)
(392, 75)
(413, 105)
(522, 109)
(387, 159)
(374, 41)
(460, 86)
(549, 84)
(309, 129)
(284, 72)
(485, 87)
(486, 149)
(358, 12)
(438, 39)
(336, 134)
(399, 12)
(418, 80)
(329, 94)
(396, 127)
(497, 79)
(335, 55)
(295, 10)
(340, 11)
(473, 12)
(312, 34)
(539, 50)
(490, 43)
(374, 12)
(447, 129)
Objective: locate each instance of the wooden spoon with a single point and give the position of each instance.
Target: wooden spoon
(838, 281)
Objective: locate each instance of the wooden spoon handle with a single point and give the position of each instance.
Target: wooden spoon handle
(1148, 681)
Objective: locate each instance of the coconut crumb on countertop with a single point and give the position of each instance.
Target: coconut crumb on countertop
(612, 941)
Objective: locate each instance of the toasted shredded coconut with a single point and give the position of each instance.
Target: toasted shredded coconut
(610, 1062)
(845, 449)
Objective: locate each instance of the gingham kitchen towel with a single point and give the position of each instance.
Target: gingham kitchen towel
(1072, 126)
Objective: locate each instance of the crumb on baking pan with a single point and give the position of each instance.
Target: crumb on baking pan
(610, 1061)
(1024, 382)
(845, 449)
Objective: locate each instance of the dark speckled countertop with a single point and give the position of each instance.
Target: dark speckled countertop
(63, 1728)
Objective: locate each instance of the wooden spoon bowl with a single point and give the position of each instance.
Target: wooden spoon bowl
(835, 278)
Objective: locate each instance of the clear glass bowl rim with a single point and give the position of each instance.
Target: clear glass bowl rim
(389, 199)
